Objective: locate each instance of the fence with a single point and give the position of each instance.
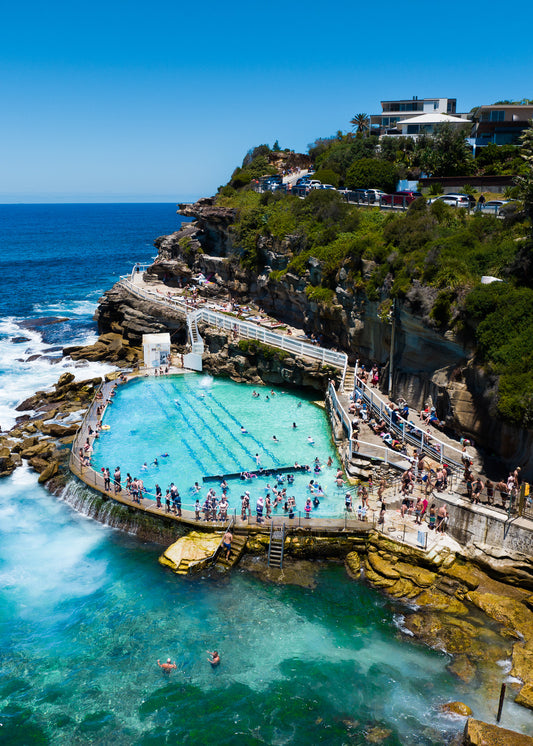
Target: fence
(406, 431)
(244, 329)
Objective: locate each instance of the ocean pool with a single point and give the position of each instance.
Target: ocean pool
(197, 421)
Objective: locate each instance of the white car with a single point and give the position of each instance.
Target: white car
(455, 200)
(493, 206)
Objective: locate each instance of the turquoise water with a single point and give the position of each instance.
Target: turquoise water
(86, 611)
(197, 420)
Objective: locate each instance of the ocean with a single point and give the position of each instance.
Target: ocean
(86, 611)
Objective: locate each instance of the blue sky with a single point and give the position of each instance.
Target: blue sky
(130, 101)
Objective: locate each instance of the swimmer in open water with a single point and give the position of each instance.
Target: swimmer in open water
(168, 666)
(215, 658)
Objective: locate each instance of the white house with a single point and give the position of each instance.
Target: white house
(425, 123)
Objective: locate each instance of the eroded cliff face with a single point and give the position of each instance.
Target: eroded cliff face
(428, 366)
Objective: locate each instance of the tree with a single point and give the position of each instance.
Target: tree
(524, 182)
(372, 173)
(446, 152)
(360, 123)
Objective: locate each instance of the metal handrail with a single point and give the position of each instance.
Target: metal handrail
(246, 329)
(404, 428)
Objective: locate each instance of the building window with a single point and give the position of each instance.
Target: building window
(497, 116)
(384, 121)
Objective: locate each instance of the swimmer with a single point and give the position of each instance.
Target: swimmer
(330, 461)
(215, 658)
(267, 397)
(144, 467)
(299, 404)
(272, 392)
(310, 440)
(275, 439)
(243, 430)
(164, 455)
(196, 487)
(155, 462)
(168, 666)
(294, 425)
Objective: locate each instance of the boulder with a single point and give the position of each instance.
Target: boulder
(478, 733)
(353, 564)
(457, 708)
(60, 431)
(7, 463)
(49, 472)
(42, 449)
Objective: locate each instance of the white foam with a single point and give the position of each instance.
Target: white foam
(68, 308)
(21, 376)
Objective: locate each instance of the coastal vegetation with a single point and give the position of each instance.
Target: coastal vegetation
(431, 257)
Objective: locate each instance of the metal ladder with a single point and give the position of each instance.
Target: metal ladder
(276, 546)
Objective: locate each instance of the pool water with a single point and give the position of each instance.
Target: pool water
(197, 421)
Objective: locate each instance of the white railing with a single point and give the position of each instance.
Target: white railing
(407, 431)
(245, 329)
(339, 409)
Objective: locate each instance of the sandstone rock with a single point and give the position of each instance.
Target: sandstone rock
(377, 580)
(41, 449)
(353, 564)
(440, 602)
(463, 668)
(418, 575)
(38, 463)
(525, 697)
(64, 379)
(382, 567)
(60, 431)
(49, 472)
(478, 733)
(510, 612)
(7, 464)
(403, 588)
(466, 574)
(457, 708)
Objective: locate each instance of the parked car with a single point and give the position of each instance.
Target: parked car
(400, 198)
(327, 186)
(456, 200)
(493, 206)
(376, 194)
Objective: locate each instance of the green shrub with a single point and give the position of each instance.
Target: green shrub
(327, 176)
(373, 173)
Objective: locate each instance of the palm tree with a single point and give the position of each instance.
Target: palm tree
(360, 123)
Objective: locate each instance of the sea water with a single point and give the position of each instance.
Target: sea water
(86, 611)
(183, 428)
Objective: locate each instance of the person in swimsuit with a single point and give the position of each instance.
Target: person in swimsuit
(226, 543)
(215, 658)
(168, 666)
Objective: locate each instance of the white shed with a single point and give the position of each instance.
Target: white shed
(156, 350)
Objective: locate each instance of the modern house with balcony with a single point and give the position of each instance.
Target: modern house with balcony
(500, 124)
(392, 112)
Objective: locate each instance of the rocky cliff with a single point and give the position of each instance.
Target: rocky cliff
(428, 366)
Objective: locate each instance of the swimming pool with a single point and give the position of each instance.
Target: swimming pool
(185, 427)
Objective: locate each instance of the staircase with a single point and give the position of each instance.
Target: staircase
(276, 546)
(197, 343)
(237, 548)
(349, 381)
